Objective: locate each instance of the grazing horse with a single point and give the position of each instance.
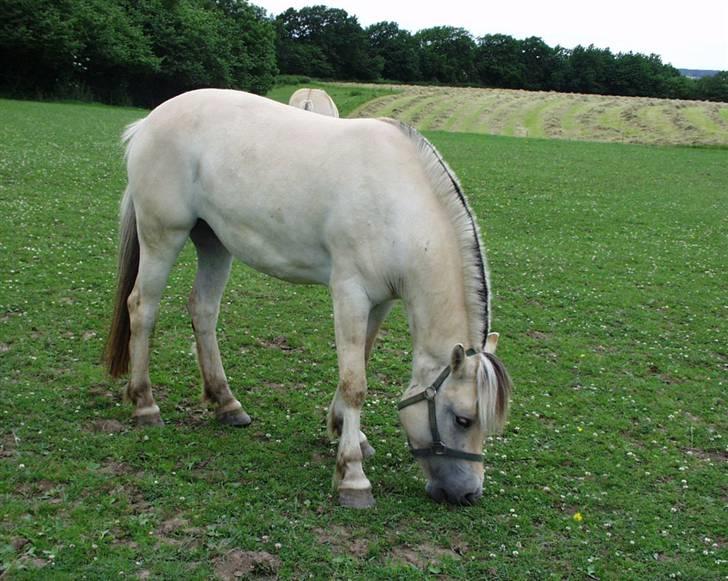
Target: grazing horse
(316, 100)
(365, 206)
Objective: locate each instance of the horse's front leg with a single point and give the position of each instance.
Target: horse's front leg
(351, 314)
(376, 317)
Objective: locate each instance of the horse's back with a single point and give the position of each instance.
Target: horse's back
(285, 191)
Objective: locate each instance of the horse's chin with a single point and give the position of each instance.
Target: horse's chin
(439, 494)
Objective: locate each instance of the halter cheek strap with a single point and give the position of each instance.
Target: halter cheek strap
(437, 448)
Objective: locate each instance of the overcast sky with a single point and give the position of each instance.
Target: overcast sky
(690, 34)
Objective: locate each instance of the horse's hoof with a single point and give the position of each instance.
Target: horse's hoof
(366, 449)
(237, 418)
(356, 498)
(149, 421)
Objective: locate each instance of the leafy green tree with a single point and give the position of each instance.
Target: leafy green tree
(498, 62)
(298, 48)
(447, 55)
(397, 49)
(589, 70)
(224, 44)
(539, 62)
(70, 47)
(713, 88)
(112, 51)
(324, 42)
(38, 45)
(143, 50)
(250, 37)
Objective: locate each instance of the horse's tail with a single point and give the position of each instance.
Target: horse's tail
(116, 353)
(494, 387)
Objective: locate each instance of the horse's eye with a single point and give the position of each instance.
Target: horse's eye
(463, 422)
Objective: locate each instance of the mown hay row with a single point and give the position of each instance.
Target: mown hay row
(555, 115)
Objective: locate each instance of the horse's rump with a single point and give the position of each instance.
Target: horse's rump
(314, 100)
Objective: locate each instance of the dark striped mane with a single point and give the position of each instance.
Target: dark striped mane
(475, 266)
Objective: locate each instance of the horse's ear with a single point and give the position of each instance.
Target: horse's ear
(491, 343)
(457, 359)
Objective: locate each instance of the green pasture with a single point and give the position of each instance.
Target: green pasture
(608, 266)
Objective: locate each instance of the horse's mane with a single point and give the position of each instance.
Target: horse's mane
(475, 267)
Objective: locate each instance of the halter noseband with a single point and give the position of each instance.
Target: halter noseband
(437, 448)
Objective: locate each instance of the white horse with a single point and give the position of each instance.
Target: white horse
(316, 100)
(368, 208)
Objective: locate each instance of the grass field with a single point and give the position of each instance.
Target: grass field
(608, 267)
(553, 115)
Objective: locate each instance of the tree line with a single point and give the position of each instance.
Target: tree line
(144, 51)
(329, 43)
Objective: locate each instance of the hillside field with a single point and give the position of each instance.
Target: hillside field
(541, 115)
(608, 270)
(553, 115)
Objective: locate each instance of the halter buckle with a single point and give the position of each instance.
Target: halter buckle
(430, 393)
(438, 448)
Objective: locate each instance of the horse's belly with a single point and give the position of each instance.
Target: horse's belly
(294, 255)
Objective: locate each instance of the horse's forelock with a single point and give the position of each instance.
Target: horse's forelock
(493, 388)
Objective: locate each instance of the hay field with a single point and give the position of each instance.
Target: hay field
(554, 115)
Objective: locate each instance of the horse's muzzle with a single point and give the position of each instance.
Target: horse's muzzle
(462, 496)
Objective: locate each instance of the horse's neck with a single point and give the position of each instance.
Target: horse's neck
(438, 321)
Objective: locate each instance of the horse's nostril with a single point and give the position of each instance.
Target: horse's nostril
(436, 493)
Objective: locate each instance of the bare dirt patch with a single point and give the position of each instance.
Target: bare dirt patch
(8, 445)
(29, 562)
(114, 468)
(107, 426)
(172, 525)
(341, 541)
(238, 563)
(177, 531)
(19, 544)
(422, 556)
(719, 456)
(102, 391)
(280, 342)
(43, 490)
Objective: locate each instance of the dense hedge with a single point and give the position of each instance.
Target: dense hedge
(133, 51)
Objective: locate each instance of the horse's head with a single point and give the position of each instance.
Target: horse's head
(447, 422)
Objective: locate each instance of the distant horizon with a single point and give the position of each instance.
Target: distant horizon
(697, 40)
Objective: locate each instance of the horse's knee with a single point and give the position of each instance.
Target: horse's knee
(203, 315)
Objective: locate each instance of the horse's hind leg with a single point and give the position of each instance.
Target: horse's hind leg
(157, 254)
(213, 269)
